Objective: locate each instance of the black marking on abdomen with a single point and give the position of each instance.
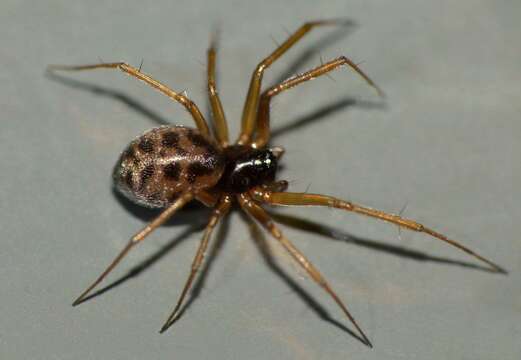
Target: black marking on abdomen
(146, 145)
(197, 139)
(197, 169)
(130, 155)
(146, 174)
(172, 171)
(129, 180)
(170, 140)
(200, 141)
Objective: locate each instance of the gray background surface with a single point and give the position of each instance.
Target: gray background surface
(444, 146)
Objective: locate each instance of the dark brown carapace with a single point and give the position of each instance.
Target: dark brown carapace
(169, 166)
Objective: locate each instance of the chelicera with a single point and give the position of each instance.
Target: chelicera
(169, 166)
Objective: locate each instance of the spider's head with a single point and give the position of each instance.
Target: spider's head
(247, 167)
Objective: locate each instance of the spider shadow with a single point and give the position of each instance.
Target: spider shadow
(264, 248)
(167, 248)
(325, 111)
(309, 52)
(145, 264)
(185, 216)
(343, 30)
(220, 238)
(111, 93)
(333, 107)
(340, 235)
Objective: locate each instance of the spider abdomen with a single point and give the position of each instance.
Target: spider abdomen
(164, 162)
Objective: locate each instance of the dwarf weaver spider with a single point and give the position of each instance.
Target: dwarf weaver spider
(169, 166)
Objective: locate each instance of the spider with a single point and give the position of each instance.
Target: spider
(169, 166)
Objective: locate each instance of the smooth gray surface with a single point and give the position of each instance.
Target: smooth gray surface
(446, 145)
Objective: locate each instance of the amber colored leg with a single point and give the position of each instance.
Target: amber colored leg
(132, 71)
(249, 114)
(219, 118)
(138, 237)
(280, 185)
(221, 210)
(258, 213)
(303, 199)
(208, 198)
(263, 119)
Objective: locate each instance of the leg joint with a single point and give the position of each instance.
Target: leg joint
(259, 70)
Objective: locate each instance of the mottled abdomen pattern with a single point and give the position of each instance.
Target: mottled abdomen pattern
(162, 163)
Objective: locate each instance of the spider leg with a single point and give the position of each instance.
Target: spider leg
(208, 198)
(132, 71)
(304, 199)
(221, 209)
(263, 119)
(137, 238)
(249, 114)
(221, 129)
(258, 213)
(279, 185)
